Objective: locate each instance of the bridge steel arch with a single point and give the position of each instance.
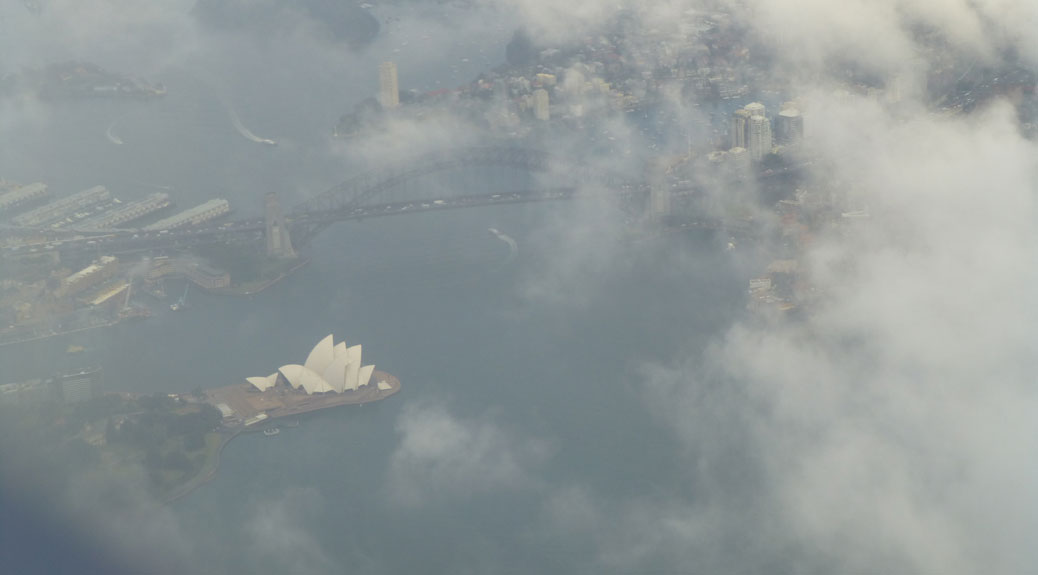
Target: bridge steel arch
(355, 191)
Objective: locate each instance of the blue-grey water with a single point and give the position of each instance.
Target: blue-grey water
(428, 298)
(540, 350)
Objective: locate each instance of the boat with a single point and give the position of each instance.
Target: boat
(294, 423)
(180, 304)
(271, 431)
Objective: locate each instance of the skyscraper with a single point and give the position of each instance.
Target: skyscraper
(758, 137)
(756, 109)
(541, 109)
(739, 121)
(789, 126)
(389, 89)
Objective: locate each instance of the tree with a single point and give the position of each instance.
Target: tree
(194, 441)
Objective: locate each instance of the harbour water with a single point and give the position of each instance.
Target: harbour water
(430, 304)
(531, 359)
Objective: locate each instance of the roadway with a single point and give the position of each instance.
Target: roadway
(128, 241)
(302, 225)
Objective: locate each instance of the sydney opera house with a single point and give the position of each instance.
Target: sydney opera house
(330, 368)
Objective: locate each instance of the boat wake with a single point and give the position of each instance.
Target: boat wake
(513, 246)
(111, 135)
(245, 132)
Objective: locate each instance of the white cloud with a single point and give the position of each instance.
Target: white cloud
(282, 539)
(885, 429)
(441, 455)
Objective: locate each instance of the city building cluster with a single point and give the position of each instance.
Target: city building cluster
(46, 289)
(756, 135)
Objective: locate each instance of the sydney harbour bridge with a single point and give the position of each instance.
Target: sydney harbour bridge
(399, 190)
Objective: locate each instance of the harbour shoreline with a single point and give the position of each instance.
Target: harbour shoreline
(311, 405)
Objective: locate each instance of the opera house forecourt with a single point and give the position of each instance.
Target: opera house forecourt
(331, 375)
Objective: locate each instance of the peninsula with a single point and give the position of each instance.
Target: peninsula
(176, 439)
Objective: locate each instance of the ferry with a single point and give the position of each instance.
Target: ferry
(180, 304)
(271, 431)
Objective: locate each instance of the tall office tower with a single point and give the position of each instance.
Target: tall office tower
(789, 126)
(740, 120)
(756, 109)
(279, 243)
(659, 200)
(659, 190)
(758, 137)
(541, 109)
(389, 89)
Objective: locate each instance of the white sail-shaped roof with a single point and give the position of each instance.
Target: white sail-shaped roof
(321, 355)
(335, 373)
(263, 383)
(353, 367)
(365, 375)
(330, 367)
(301, 376)
(293, 373)
(314, 383)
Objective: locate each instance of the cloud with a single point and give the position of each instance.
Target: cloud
(442, 456)
(883, 430)
(108, 31)
(886, 431)
(282, 540)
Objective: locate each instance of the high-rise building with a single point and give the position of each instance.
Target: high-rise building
(741, 124)
(789, 126)
(758, 137)
(659, 191)
(756, 109)
(541, 109)
(740, 119)
(389, 88)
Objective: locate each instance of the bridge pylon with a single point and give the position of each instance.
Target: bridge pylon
(279, 243)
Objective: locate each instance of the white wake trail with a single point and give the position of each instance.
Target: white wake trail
(110, 134)
(245, 132)
(513, 246)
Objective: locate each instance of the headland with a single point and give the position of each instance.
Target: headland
(244, 406)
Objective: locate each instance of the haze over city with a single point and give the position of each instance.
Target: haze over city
(697, 286)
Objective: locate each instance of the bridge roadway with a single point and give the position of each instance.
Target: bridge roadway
(120, 242)
(306, 225)
(348, 201)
